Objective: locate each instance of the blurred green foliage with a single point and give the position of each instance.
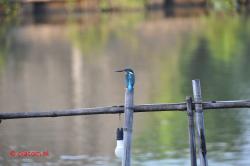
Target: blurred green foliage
(8, 8)
(215, 54)
(93, 37)
(124, 4)
(223, 4)
(8, 18)
(225, 36)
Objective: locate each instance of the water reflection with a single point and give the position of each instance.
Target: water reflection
(70, 64)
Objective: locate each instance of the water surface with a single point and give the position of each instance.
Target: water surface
(60, 62)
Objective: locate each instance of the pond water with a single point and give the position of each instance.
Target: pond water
(60, 62)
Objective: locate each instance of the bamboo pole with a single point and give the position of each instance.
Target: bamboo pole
(128, 127)
(120, 109)
(191, 132)
(200, 122)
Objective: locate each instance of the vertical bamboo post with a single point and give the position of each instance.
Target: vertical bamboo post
(191, 131)
(200, 122)
(128, 126)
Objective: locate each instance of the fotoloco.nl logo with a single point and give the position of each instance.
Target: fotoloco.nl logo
(14, 153)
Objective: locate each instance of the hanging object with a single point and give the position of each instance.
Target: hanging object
(119, 143)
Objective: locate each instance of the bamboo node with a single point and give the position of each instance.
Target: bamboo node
(126, 129)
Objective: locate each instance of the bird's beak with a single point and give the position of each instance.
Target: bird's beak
(119, 71)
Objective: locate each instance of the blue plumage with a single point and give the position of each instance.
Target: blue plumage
(129, 78)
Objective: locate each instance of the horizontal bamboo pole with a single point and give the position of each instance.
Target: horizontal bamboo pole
(120, 109)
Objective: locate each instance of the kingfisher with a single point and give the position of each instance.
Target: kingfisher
(129, 78)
